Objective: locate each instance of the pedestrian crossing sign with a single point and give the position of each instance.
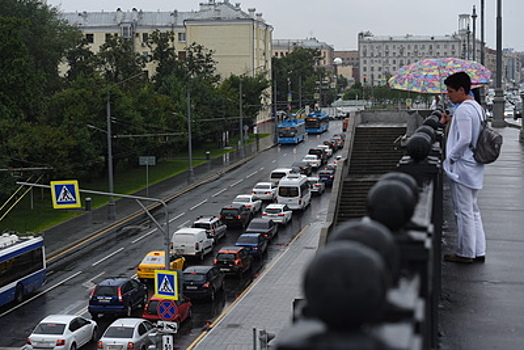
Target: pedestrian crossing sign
(166, 284)
(65, 194)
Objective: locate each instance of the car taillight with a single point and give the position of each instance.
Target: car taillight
(28, 341)
(130, 346)
(249, 205)
(206, 285)
(220, 217)
(215, 261)
(300, 201)
(197, 246)
(120, 295)
(100, 345)
(317, 185)
(237, 262)
(253, 192)
(255, 248)
(92, 293)
(268, 192)
(60, 342)
(281, 214)
(239, 217)
(264, 214)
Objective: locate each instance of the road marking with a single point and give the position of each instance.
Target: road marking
(219, 192)
(177, 217)
(261, 169)
(143, 236)
(285, 154)
(184, 224)
(274, 161)
(236, 183)
(252, 174)
(108, 256)
(197, 205)
(40, 294)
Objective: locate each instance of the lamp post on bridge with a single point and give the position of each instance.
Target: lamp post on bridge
(498, 100)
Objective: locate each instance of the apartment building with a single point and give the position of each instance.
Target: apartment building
(282, 47)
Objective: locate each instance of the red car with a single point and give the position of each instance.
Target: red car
(183, 310)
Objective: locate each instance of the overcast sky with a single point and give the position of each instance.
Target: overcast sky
(338, 22)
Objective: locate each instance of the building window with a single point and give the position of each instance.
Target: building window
(90, 38)
(126, 31)
(145, 37)
(181, 37)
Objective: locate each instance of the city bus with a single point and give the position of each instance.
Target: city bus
(22, 266)
(317, 123)
(291, 131)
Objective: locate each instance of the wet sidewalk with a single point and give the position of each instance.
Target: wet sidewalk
(482, 304)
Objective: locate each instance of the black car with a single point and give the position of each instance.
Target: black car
(320, 153)
(332, 144)
(267, 227)
(117, 295)
(236, 215)
(302, 168)
(201, 281)
(235, 260)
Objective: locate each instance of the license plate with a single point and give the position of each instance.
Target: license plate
(103, 301)
(225, 269)
(114, 347)
(229, 217)
(191, 287)
(179, 251)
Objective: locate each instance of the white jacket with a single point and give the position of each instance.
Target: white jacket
(463, 132)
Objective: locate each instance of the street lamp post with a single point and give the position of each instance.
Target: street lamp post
(498, 100)
(190, 174)
(241, 119)
(474, 16)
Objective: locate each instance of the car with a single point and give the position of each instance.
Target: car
(267, 227)
(302, 167)
(331, 144)
(279, 213)
(127, 333)
(183, 310)
(117, 295)
(236, 215)
(327, 149)
(213, 225)
(338, 142)
(63, 332)
(251, 201)
(317, 186)
(313, 160)
(509, 111)
(278, 174)
(327, 176)
(266, 191)
(330, 166)
(202, 281)
(255, 243)
(320, 153)
(337, 160)
(155, 260)
(192, 242)
(235, 260)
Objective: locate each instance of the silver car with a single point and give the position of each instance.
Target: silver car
(125, 331)
(317, 186)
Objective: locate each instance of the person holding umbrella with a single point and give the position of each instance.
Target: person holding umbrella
(465, 173)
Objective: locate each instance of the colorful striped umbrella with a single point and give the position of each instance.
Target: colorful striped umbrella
(427, 76)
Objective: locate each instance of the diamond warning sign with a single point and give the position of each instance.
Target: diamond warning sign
(65, 194)
(166, 284)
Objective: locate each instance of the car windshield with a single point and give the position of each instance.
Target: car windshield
(154, 260)
(278, 175)
(273, 210)
(50, 328)
(288, 191)
(107, 291)
(226, 256)
(257, 225)
(247, 240)
(194, 277)
(119, 332)
(262, 187)
(242, 200)
(203, 225)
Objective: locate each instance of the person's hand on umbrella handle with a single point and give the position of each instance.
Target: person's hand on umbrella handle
(445, 118)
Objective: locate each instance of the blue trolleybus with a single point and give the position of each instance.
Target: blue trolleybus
(291, 131)
(317, 123)
(22, 266)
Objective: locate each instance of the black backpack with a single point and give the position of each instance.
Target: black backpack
(489, 143)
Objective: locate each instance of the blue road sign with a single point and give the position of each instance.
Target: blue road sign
(166, 310)
(166, 284)
(65, 194)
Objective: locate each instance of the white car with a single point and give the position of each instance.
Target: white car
(313, 160)
(63, 332)
(266, 191)
(329, 151)
(127, 333)
(279, 213)
(250, 201)
(317, 186)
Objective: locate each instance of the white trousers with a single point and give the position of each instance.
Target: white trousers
(471, 239)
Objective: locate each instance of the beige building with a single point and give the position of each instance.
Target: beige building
(241, 41)
(282, 47)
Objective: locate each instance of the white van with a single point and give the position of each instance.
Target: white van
(277, 174)
(191, 242)
(294, 191)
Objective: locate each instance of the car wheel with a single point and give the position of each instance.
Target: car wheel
(94, 316)
(19, 293)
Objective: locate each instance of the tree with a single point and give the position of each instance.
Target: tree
(117, 60)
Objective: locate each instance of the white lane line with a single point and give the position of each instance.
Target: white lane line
(236, 183)
(274, 161)
(40, 294)
(285, 154)
(143, 236)
(177, 217)
(108, 256)
(197, 205)
(261, 169)
(252, 174)
(184, 224)
(219, 192)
